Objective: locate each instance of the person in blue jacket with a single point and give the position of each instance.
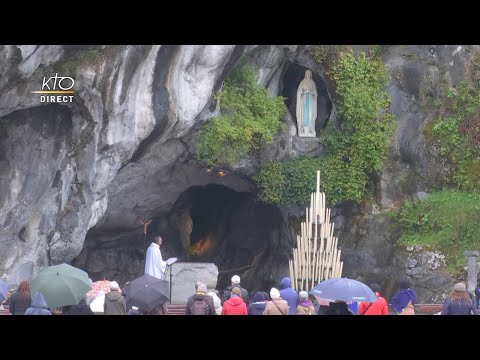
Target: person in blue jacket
(289, 294)
(38, 306)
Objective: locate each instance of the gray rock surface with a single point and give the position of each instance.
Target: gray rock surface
(76, 178)
(123, 149)
(186, 274)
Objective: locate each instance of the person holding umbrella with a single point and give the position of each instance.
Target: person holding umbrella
(148, 294)
(404, 299)
(338, 307)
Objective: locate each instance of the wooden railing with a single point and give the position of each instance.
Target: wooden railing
(427, 309)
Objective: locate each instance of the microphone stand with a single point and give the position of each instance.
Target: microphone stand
(169, 269)
(171, 277)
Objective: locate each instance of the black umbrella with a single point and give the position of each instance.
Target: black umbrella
(147, 292)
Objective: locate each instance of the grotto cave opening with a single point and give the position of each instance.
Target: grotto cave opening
(207, 223)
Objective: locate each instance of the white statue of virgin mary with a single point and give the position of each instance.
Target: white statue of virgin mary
(307, 106)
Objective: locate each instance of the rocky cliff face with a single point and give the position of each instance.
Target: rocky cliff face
(76, 178)
(418, 75)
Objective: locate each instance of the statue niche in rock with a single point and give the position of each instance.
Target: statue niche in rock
(307, 106)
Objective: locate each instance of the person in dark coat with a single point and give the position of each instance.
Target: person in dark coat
(322, 309)
(114, 301)
(201, 295)
(477, 295)
(289, 295)
(257, 307)
(80, 309)
(228, 291)
(38, 306)
(459, 302)
(338, 308)
(160, 309)
(20, 301)
(11, 291)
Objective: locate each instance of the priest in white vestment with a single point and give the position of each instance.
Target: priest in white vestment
(154, 264)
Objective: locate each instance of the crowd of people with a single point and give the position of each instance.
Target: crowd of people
(235, 300)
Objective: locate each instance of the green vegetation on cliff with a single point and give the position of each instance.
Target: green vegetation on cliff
(446, 221)
(249, 119)
(354, 151)
(456, 133)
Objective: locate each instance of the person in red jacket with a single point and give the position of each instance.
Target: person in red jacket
(379, 307)
(235, 305)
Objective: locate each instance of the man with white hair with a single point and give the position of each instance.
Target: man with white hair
(154, 264)
(114, 302)
(228, 291)
(200, 303)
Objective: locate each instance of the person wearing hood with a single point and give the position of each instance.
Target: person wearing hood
(38, 306)
(404, 299)
(114, 302)
(306, 306)
(235, 305)
(257, 307)
(289, 295)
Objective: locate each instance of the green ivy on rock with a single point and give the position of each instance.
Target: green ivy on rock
(249, 118)
(447, 221)
(354, 151)
(457, 134)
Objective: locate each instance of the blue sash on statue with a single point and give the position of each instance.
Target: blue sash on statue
(306, 110)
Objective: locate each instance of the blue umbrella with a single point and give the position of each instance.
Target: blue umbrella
(344, 289)
(3, 291)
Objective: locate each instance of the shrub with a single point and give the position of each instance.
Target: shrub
(250, 118)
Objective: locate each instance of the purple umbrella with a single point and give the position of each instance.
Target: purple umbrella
(344, 289)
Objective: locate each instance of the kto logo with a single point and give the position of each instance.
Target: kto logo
(59, 85)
